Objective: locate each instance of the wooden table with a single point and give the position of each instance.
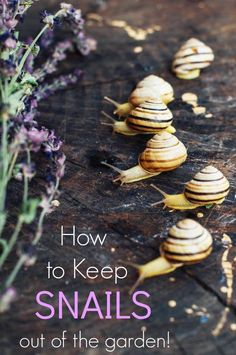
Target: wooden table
(135, 229)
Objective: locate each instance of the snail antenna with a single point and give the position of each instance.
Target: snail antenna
(112, 167)
(157, 203)
(136, 284)
(163, 193)
(107, 124)
(129, 263)
(115, 103)
(140, 278)
(108, 116)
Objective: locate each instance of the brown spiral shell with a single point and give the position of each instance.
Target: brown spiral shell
(187, 242)
(142, 94)
(207, 187)
(151, 117)
(192, 55)
(163, 152)
(161, 87)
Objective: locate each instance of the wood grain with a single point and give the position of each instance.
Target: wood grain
(93, 203)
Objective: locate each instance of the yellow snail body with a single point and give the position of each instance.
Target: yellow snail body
(163, 152)
(187, 243)
(207, 187)
(150, 117)
(192, 56)
(150, 88)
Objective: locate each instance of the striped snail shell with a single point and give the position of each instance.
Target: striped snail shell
(192, 56)
(140, 95)
(162, 88)
(151, 87)
(187, 242)
(207, 187)
(150, 117)
(163, 152)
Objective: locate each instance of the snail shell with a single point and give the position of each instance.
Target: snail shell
(150, 88)
(207, 187)
(188, 242)
(159, 86)
(142, 94)
(163, 152)
(192, 56)
(150, 117)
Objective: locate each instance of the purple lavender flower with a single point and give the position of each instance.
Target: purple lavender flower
(11, 23)
(58, 55)
(28, 170)
(34, 138)
(60, 83)
(10, 43)
(37, 137)
(7, 68)
(7, 298)
(60, 165)
(28, 252)
(53, 143)
(49, 19)
(73, 18)
(24, 89)
(29, 64)
(46, 39)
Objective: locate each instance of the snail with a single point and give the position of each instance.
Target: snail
(187, 243)
(150, 88)
(207, 187)
(149, 117)
(192, 56)
(163, 152)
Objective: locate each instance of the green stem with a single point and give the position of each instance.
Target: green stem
(13, 162)
(3, 242)
(4, 167)
(19, 224)
(26, 180)
(13, 274)
(25, 56)
(42, 216)
(11, 242)
(38, 234)
(28, 51)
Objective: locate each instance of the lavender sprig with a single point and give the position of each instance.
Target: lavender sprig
(21, 88)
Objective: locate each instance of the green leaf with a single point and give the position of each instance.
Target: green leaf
(15, 102)
(2, 219)
(209, 206)
(16, 34)
(30, 210)
(28, 79)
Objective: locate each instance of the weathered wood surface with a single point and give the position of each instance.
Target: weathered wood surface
(93, 203)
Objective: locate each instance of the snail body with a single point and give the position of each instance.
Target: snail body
(150, 88)
(152, 116)
(207, 187)
(192, 56)
(163, 152)
(187, 243)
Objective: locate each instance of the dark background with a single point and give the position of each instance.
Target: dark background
(94, 204)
